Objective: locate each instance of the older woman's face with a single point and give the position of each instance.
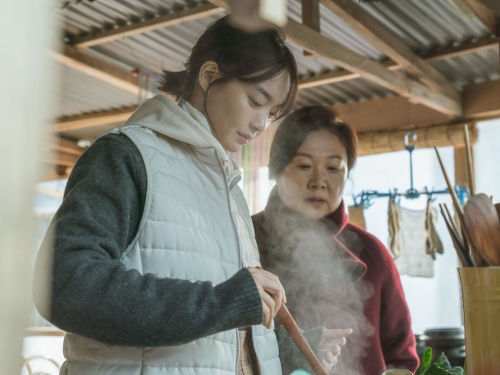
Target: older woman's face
(313, 183)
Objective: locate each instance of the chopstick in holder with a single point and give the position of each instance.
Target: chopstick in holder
(475, 256)
(457, 230)
(470, 165)
(454, 197)
(298, 338)
(457, 244)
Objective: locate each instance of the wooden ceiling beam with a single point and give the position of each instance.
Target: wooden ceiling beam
(311, 17)
(53, 172)
(342, 75)
(99, 69)
(92, 119)
(171, 19)
(480, 102)
(64, 145)
(388, 113)
(60, 158)
(375, 72)
(328, 49)
(488, 12)
(382, 38)
(461, 50)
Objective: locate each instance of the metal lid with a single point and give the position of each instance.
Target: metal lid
(452, 333)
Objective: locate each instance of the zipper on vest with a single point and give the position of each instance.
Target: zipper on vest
(238, 246)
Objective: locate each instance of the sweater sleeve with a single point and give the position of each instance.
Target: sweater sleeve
(396, 336)
(94, 295)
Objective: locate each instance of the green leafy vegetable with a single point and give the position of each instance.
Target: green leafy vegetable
(441, 365)
(425, 362)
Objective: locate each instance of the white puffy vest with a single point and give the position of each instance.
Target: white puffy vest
(195, 226)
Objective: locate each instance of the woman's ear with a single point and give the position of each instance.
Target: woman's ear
(209, 72)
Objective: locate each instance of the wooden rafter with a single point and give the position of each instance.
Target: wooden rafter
(481, 101)
(381, 37)
(120, 78)
(460, 50)
(97, 68)
(342, 75)
(312, 41)
(311, 16)
(64, 145)
(60, 158)
(140, 27)
(388, 113)
(488, 11)
(93, 119)
(373, 71)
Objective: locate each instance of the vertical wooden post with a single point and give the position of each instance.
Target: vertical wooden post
(24, 107)
(461, 167)
(311, 17)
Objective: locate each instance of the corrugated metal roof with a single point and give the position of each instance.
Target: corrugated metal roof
(471, 68)
(160, 49)
(423, 25)
(77, 93)
(426, 24)
(342, 93)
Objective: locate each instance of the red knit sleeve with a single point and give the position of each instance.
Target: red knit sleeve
(396, 336)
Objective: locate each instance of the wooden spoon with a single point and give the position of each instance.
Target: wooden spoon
(483, 226)
(298, 338)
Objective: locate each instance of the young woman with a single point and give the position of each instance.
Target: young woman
(335, 274)
(155, 265)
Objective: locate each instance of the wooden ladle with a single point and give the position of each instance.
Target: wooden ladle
(483, 225)
(298, 338)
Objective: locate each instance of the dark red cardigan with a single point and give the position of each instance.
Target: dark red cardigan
(393, 343)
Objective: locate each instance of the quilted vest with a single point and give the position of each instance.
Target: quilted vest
(195, 226)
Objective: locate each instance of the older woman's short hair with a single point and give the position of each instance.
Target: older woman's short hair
(294, 130)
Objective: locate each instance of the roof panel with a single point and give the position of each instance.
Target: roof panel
(77, 93)
(422, 25)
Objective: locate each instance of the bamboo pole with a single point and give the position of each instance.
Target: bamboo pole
(470, 165)
(377, 142)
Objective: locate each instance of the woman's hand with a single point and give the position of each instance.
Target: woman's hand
(271, 292)
(329, 348)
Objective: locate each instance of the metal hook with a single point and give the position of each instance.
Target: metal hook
(411, 193)
(413, 138)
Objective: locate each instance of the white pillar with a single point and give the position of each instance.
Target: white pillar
(26, 81)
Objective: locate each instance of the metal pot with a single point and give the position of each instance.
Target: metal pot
(450, 341)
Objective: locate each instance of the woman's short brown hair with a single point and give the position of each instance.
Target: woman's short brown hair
(249, 58)
(294, 130)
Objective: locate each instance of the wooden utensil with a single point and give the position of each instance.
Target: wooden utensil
(298, 338)
(453, 224)
(475, 256)
(497, 206)
(483, 225)
(470, 165)
(457, 244)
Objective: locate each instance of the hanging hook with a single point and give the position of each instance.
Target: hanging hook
(411, 193)
(414, 138)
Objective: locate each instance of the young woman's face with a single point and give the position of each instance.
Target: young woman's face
(313, 182)
(239, 111)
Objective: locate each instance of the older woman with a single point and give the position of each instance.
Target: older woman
(336, 274)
